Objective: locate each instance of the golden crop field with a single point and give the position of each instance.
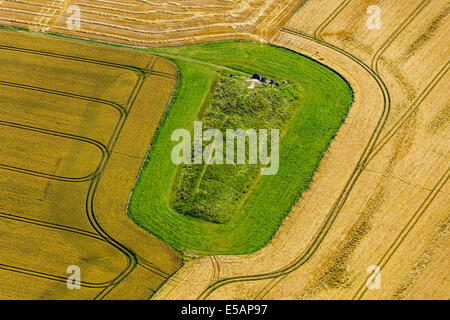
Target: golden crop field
(75, 128)
(154, 23)
(380, 195)
(378, 199)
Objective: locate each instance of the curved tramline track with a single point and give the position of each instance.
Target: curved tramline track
(374, 146)
(41, 223)
(382, 142)
(396, 126)
(132, 260)
(122, 111)
(318, 32)
(414, 106)
(103, 149)
(138, 70)
(407, 229)
(112, 104)
(344, 195)
(51, 277)
(341, 201)
(131, 256)
(94, 177)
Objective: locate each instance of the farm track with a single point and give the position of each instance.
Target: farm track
(383, 141)
(102, 235)
(388, 42)
(380, 145)
(150, 267)
(375, 144)
(338, 205)
(131, 256)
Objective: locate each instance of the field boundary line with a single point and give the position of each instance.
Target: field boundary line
(133, 257)
(105, 156)
(360, 166)
(142, 75)
(384, 46)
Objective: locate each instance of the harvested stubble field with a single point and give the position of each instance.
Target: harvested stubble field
(381, 193)
(75, 129)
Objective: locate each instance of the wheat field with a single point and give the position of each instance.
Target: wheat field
(71, 143)
(379, 198)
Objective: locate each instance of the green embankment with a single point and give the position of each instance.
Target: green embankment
(324, 100)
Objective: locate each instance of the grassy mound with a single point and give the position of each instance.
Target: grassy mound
(323, 101)
(213, 192)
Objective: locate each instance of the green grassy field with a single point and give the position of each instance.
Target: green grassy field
(324, 100)
(215, 192)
